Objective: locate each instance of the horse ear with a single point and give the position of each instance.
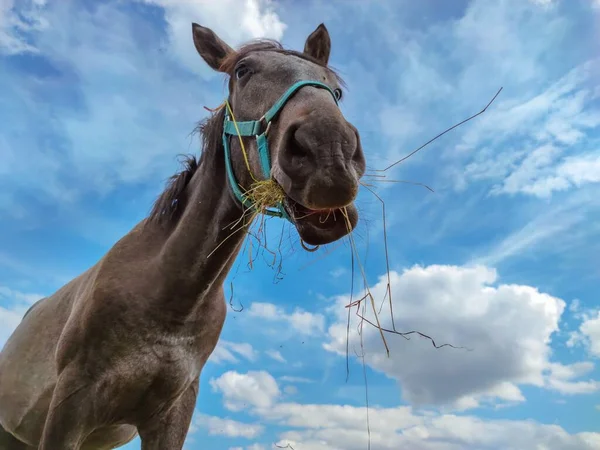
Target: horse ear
(212, 49)
(318, 44)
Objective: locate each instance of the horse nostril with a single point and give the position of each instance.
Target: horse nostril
(297, 145)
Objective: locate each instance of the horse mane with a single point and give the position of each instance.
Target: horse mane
(169, 205)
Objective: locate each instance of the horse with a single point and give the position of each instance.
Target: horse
(118, 351)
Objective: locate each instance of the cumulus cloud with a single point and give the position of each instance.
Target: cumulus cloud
(560, 378)
(235, 21)
(217, 426)
(590, 328)
(508, 327)
(395, 428)
(446, 432)
(256, 447)
(329, 427)
(303, 322)
(588, 333)
(253, 389)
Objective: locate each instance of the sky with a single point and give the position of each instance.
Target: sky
(502, 259)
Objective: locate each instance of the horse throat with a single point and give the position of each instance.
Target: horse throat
(204, 243)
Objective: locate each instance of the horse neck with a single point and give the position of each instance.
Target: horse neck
(201, 248)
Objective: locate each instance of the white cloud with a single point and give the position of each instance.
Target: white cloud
(508, 327)
(13, 25)
(266, 311)
(534, 133)
(307, 323)
(394, 428)
(538, 159)
(588, 333)
(574, 171)
(591, 330)
(540, 176)
(235, 21)
(9, 320)
(560, 378)
(303, 322)
(225, 350)
(329, 427)
(11, 316)
(542, 104)
(253, 389)
(545, 226)
(292, 379)
(99, 129)
(217, 426)
(222, 354)
(276, 355)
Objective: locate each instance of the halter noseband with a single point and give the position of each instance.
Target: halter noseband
(253, 128)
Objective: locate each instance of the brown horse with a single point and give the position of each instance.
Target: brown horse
(119, 350)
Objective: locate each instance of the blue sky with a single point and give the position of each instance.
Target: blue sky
(98, 98)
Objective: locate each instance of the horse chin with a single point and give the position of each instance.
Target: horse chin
(320, 227)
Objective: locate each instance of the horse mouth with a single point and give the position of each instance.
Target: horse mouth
(322, 226)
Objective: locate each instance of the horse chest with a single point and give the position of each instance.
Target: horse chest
(184, 351)
(143, 365)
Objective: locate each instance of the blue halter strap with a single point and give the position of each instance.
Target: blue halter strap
(254, 128)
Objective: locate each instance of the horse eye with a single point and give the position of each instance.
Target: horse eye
(241, 71)
(338, 93)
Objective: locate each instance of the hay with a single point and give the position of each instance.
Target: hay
(265, 194)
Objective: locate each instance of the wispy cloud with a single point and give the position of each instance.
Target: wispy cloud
(94, 116)
(226, 351)
(555, 223)
(276, 355)
(16, 24)
(13, 305)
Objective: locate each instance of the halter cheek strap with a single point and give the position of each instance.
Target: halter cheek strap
(253, 128)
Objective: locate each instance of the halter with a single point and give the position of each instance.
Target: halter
(253, 128)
